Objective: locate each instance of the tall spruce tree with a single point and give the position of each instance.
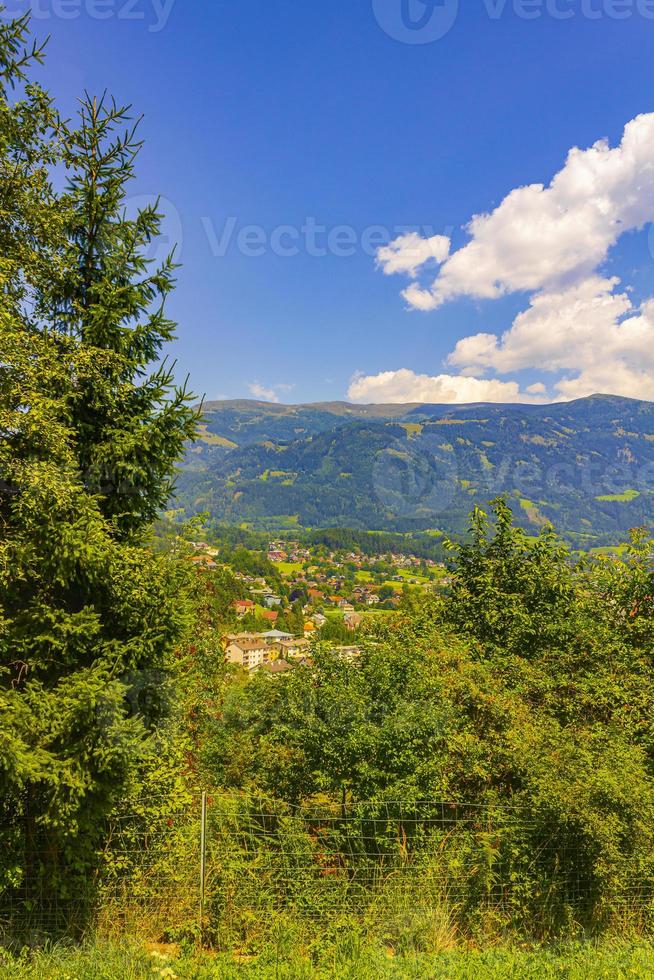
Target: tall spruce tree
(130, 429)
(30, 215)
(88, 618)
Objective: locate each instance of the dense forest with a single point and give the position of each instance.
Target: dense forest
(479, 770)
(585, 466)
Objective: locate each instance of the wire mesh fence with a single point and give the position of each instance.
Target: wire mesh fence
(54, 884)
(229, 870)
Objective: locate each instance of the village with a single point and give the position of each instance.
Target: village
(308, 594)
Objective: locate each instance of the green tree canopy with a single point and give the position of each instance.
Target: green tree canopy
(89, 436)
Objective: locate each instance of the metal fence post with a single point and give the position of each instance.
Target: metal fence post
(203, 860)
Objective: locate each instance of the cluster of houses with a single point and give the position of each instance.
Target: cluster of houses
(363, 594)
(204, 556)
(294, 552)
(255, 650)
(321, 578)
(273, 652)
(323, 582)
(247, 607)
(290, 551)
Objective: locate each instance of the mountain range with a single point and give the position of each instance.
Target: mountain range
(587, 466)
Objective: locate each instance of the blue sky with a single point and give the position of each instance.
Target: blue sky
(274, 114)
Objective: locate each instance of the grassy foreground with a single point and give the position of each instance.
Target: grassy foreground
(130, 961)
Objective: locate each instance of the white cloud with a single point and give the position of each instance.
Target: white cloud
(589, 329)
(262, 393)
(559, 330)
(542, 237)
(551, 242)
(411, 252)
(419, 299)
(407, 386)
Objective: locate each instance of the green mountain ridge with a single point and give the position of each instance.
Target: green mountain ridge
(587, 466)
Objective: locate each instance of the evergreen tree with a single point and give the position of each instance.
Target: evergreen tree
(131, 427)
(88, 619)
(30, 214)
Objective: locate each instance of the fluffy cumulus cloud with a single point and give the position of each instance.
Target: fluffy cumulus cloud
(541, 237)
(411, 252)
(550, 242)
(590, 332)
(407, 386)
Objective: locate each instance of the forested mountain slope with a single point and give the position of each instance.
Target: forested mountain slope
(587, 465)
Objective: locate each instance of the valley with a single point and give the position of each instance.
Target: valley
(586, 466)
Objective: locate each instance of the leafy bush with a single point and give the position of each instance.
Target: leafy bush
(526, 692)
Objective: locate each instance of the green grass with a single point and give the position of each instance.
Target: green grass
(408, 574)
(532, 512)
(212, 439)
(620, 550)
(288, 567)
(619, 498)
(412, 429)
(348, 959)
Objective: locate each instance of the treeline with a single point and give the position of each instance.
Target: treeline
(370, 543)
(231, 537)
(374, 543)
